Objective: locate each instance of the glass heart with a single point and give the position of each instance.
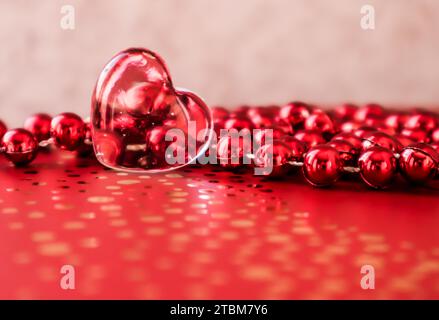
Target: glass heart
(140, 122)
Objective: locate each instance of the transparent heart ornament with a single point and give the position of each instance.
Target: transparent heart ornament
(140, 122)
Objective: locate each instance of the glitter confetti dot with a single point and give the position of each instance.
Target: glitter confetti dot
(100, 199)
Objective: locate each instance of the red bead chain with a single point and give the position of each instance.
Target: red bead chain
(371, 141)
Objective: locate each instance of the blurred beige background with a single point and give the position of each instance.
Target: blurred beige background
(230, 52)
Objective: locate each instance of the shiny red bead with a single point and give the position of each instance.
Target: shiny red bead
(220, 113)
(435, 135)
(3, 129)
(274, 158)
(371, 110)
(20, 146)
(348, 153)
(435, 146)
(297, 147)
(157, 153)
(404, 140)
(67, 130)
(395, 121)
(363, 131)
(424, 121)
(345, 111)
(417, 135)
(144, 99)
(261, 121)
(295, 113)
(109, 148)
(322, 166)
(238, 124)
(261, 136)
(233, 152)
(39, 126)
(377, 167)
(419, 163)
(350, 137)
(310, 138)
(381, 139)
(85, 149)
(349, 126)
(319, 122)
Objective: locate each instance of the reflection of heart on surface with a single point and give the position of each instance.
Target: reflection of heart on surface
(134, 105)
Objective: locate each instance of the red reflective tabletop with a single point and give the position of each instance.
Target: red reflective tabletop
(204, 233)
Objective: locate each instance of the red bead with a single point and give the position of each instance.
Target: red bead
(284, 126)
(218, 125)
(39, 126)
(20, 146)
(418, 135)
(261, 121)
(404, 140)
(435, 146)
(295, 113)
(143, 99)
(240, 112)
(350, 137)
(68, 131)
(349, 126)
(395, 121)
(377, 167)
(371, 110)
(238, 124)
(3, 129)
(363, 131)
(220, 113)
(131, 129)
(322, 166)
(310, 138)
(156, 149)
(320, 122)
(109, 148)
(274, 158)
(348, 153)
(419, 163)
(425, 122)
(297, 147)
(261, 135)
(345, 111)
(383, 140)
(85, 149)
(233, 152)
(435, 135)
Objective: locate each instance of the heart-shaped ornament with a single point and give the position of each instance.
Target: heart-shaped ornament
(140, 122)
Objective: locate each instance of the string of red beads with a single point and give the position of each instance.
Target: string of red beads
(20, 146)
(370, 140)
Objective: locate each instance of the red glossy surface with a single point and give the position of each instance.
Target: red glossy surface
(134, 94)
(206, 233)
